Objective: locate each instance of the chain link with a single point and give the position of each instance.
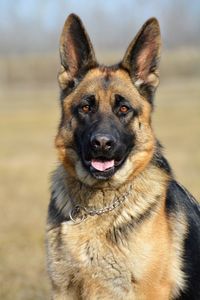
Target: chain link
(79, 213)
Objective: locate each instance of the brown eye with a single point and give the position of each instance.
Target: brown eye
(85, 108)
(123, 109)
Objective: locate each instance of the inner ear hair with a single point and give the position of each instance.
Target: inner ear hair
(65, 79)
(152, 79)
(141, 59)
(76, 52)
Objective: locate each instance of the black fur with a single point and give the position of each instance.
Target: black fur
(121, 233)
(55, 214)
(179, 199)
(95, 124)
(140, 61)
(159, 160)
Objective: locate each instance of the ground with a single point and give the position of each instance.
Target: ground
(28, 121)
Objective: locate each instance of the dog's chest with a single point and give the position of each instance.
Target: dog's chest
(83, 255)
(89, 254)
(91, 249)
(92, 259)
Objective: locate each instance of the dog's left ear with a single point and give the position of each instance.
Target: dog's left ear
(141, 59)
(76, 52)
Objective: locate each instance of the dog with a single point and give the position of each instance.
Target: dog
(119, 225)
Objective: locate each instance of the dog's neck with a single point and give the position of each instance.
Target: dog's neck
(145, 189)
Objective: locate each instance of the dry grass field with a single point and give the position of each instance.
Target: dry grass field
(28, 121)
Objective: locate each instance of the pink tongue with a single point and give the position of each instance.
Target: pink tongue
(102, 165)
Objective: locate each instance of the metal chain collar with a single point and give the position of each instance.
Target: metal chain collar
(79, 213)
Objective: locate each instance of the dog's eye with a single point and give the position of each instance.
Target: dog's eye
(122, 106)
(124, 109)
(85, 108)
(87, 104)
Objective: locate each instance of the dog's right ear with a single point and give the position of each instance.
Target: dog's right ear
(142, 57)
(76, 52)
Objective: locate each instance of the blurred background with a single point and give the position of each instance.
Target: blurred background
(29, 111)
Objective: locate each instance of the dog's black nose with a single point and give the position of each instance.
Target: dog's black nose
(102, 142)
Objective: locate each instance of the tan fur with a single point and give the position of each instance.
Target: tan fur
(83, 258)
(133, 252)
(92, 83)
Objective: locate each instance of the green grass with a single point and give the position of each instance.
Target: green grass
(28, 123)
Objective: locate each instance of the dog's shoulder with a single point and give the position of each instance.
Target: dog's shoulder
(60, 203)
(180, 201)
(179, 198)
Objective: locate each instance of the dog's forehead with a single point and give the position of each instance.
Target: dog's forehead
(107, 81)
(108, 77)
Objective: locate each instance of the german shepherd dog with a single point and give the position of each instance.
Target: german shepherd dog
(119, 225)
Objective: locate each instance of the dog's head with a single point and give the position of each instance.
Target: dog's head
(105, 131)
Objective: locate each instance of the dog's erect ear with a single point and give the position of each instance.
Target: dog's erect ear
(76, 52)
(142, 58)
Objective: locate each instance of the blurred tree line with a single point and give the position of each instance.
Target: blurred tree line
(30, 31)
(34, 26)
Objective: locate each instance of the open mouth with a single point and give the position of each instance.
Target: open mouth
(102, 168)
